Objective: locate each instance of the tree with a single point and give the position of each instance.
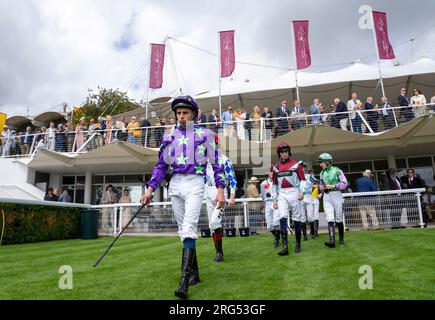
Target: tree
(104, 102)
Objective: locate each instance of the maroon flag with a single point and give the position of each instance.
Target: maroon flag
(380, 26)
(156, 66)
(302, 47)
(228, 56)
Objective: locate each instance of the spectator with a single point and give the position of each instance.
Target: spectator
(255, 123)
(80, 133)
(341, 118)
(126, 211)
(372, 114)
(403, 100)
(50, 137)
(201, 119)
(159, 131)
(255, 208)
(354, 105)
(411, 181)
(50, 195)
(213, 119)
(432, 103)
(365, 206)
(283, 113)
(65, 197)
(418, 103)
(315, 111)
(248, 124)
(228, 122)
(391, 182)
(60, 139)
(133, 130)
(6, 139)
(241, 117)
(109, 129)
(297, 112)
(387, 114)
(91, 131)
(100, 128)
(26, 141)
(146, 133)
(108, 197)
(268, 123)
(325, 117)
(121, 129)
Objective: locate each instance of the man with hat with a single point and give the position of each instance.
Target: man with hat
(271, 214)
(289, 185)
(184, 151)
(332, 183)
(214, 214)
(366, 184)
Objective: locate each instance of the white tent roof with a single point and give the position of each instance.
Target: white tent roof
(357, 77)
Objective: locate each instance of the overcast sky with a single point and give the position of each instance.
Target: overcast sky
(53, 51)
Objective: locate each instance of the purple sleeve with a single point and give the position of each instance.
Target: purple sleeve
(161, 167)
(218, 169)
(343, 182)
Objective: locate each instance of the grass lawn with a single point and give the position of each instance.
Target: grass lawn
(403, 264)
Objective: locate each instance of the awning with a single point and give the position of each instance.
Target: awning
(45, 118)
(19, 123)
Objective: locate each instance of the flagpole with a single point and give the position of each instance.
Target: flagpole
(219, 75)
(377, 55)
(295, 60)
(148, 84)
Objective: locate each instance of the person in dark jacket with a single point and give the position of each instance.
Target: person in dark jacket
(50, 196)
(404, 102)
(372, 114)
(365, 206)
(145, 133)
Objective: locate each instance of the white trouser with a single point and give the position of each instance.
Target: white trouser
(333, 206)
(271, 215)
(187, 193)
(343, 123)
(214, 216)
(311, 207)
(371, 211)
(288, 200)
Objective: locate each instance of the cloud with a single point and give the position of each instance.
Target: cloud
(52, 51)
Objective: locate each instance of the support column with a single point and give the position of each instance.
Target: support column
(391, 162)
(88, 188)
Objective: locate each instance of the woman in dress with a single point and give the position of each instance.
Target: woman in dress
(418, 102)
(126, 212)
(241, 117)
(80, 133)
(109, 128)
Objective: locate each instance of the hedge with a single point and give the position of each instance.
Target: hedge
(35, 223)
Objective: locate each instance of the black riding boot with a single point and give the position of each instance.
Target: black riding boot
(217, 238)
(186, 268)
(276, 234)
(284, 251)
(340, 233)
(298, 233)
(312, 230)
(316, 228)
(304, 230)
(194, 275)
(331, 230)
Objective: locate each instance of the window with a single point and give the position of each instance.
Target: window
(420, 162)
(343, 166)
(360, 166)
(97, 179)
(381, 165)
(134, 178)
(401, 163)
(69, 180)
(81, 180)
(114, 179)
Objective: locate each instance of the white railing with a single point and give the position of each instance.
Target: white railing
(263, 129)
(368, 210)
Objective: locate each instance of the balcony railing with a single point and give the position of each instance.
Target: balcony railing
(368, 122)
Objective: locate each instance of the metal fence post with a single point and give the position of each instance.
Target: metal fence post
(245, 213)
(114, 221)
(420, 212)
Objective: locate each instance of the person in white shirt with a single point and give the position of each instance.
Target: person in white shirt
(353, 105)
(418, 102)
(50, 135)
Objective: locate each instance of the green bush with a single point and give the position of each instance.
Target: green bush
(32, 223)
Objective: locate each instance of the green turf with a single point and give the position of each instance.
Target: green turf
(403, 263)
